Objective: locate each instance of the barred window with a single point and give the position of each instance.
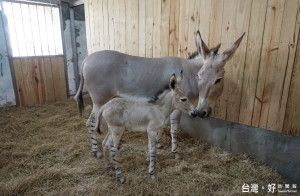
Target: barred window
(34, 30)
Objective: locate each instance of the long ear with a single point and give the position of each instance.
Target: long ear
(201, 46)
(216, 49)
(228, 53)
(179, 79)
(173, 82)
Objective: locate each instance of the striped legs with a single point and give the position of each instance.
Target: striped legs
(152, 151)
(106, 144)
(90, 124)
(175, 119)
(113, 140)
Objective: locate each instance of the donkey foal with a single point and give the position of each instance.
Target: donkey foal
(121, 114)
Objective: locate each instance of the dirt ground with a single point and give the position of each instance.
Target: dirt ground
(46, 150)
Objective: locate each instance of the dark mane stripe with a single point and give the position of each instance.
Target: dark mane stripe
(156, 96)
(193, 55)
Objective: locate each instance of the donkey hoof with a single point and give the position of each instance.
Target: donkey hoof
(159, 146)
(152, 177)
(122, 180)
(177, 156)
(97, 154)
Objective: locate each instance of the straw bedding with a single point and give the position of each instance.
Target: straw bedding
(46, 150)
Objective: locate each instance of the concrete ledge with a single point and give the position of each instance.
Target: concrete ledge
(280, 151)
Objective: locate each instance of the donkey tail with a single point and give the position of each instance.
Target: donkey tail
(78, 97)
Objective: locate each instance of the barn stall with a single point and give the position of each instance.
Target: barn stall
(45, 145)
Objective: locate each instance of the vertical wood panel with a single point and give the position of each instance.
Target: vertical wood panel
(259, 79)
(183, 30)
(193, 21)
(111, 23)
(173, 33)
(156, 28)
(19, 81)
(255, 36)
(268, 61)
(122, 24)
(132, 42)
(142, 28)
(292, 115)
(283, 66)
(165, 26)
(117, 25)
(149, 28)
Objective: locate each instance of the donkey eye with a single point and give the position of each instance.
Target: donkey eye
(218, 80)
(183, 99)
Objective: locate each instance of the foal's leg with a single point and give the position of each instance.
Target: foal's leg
(116, 136)
(106, 144)
(159, 136)
(175, 120)
(152, 151)
(91, 127)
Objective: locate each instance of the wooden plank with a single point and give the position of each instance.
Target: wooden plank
(205, 8)
(268, 61)
(149, 28)
(105, 36)
(216, 20)
(291, 123)
(28, 82)
(19, 82)
(122, 14)
(165, 26)
(50, 93)
(156, 28)
(58, 75)
(41, 78)
(35, 79)
(99, 26)
(116, 25)
(174, 29)
(193, 21)
(111, 24)
(183, 28)
(227, 38)
(142, 28)
(132, 27)
(236, 69)
(254, 45)
(282, 71)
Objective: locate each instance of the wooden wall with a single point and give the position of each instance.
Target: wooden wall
(40, 79)
(261, 85)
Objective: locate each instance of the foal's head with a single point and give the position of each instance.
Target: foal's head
(180, 100)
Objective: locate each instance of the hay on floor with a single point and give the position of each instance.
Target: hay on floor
(46, 150)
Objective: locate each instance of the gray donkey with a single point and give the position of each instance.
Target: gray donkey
(110, 74)
(121, 114)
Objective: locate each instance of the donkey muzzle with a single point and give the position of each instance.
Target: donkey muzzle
(193, 113)
(204, 113)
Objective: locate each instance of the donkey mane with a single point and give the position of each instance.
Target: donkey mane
(157, 95)
(193, 55)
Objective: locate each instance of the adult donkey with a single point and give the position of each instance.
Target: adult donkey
(137, 78)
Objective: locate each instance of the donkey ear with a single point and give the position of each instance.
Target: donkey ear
(228, 53)
(173, 82)
(179, 79)
(216, 49)
(201, 46)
